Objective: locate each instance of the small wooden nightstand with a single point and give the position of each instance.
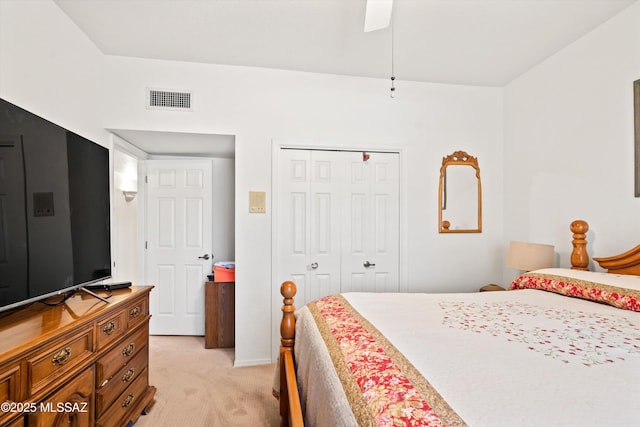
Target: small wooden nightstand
(487, 288)
(219, 307)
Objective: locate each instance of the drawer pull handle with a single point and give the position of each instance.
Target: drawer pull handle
(127, 401)
(127, 377)
(129, 349)
(135, 311)
(62, 357)
(109, 328)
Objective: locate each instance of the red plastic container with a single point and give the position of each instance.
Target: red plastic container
(224, 271)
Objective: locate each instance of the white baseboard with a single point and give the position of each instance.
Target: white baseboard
(254, 362)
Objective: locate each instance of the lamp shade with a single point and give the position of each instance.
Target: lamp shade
(529, 256)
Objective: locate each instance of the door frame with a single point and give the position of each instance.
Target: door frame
(123, 146)
(276, 146)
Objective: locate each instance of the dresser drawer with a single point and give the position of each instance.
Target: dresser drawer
(56, 359)
(120, 381)
(10, 384)
(121, 354)
(71, 405)
(124, 402)
(137, 312)
(9, 388)
(111, 329)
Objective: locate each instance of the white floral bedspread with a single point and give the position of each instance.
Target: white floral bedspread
(500, 359)
(567, 336)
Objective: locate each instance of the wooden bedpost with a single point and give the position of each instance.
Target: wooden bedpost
(290, 409)
(288, 323)
(579, 255)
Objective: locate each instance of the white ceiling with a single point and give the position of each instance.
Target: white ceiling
(475, 42)
(180, 144)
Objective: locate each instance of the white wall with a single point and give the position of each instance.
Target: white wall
(258, 106)
(125, 217)
(569, 144)
(223, 227)
(49, 67)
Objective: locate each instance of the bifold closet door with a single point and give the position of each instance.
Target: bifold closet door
(338, 228)
(308, 229)
(370, 226)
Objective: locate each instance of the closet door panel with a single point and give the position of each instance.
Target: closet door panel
(308, 227)
(371, 213)
(327, 176)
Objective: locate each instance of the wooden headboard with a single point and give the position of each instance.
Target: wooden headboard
(625, 263)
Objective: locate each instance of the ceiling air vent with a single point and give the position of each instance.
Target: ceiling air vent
(162, 99)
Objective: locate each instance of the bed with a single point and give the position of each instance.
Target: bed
(562, 348)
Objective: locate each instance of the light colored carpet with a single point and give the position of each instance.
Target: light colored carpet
(200, 387)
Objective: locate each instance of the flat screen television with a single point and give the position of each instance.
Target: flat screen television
(54, 209)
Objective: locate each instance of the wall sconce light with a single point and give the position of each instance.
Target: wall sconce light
(129, 195)
(529, 256)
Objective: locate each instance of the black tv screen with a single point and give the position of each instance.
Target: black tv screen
(54, 209)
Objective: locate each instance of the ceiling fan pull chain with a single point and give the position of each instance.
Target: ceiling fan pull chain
(393, 77)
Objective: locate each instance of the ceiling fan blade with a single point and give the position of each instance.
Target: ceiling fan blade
(377, 15)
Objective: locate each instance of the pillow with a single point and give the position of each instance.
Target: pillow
(622, 291)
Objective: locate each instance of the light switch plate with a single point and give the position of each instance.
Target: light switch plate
(43, 204)
(257, 201)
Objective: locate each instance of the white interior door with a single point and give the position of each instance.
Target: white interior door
(370, 223)
(179, 244)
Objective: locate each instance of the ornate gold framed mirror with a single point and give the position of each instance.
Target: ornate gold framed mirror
(460, 194)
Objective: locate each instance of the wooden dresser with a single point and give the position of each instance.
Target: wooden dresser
(81, 363)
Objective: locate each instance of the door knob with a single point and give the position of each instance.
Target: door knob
(314, 265)
(367, 264)
(205, 256)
